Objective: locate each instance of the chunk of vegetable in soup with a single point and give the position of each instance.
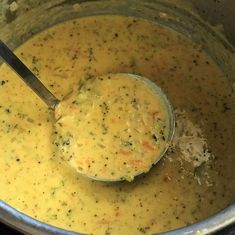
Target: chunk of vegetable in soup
(113, 127)
(176, 192)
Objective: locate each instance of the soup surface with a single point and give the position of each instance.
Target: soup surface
(194, 180)
(113, 127)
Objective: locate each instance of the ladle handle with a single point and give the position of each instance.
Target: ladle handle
(28, 77)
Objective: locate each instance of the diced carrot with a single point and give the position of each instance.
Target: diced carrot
(148, 146)
(136, 163)
(125, 152)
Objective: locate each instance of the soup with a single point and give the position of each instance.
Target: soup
(194, 179)
(113, 127)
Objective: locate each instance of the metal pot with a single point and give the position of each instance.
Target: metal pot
(19, 20)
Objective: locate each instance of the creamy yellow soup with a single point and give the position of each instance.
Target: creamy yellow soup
(113, 127)
(179, 190)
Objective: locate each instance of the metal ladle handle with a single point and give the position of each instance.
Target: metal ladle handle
(27, 76)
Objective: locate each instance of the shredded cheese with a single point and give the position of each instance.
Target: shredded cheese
(189, 139)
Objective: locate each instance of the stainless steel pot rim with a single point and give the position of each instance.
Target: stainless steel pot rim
(26, 224)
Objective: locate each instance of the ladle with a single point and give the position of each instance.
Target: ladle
(36, 85)
(27, 76)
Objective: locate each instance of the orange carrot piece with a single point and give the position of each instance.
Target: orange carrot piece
(136, 163)
(125, 152)
(148, 146)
